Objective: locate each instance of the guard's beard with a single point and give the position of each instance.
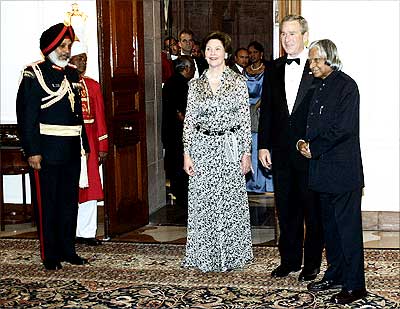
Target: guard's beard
(54, 58)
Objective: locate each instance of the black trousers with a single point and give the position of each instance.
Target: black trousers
(344, 242)
(297, 206)
(55, 198)
(179, 180)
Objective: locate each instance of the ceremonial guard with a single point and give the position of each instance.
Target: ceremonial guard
(95, 125)
(53, 138)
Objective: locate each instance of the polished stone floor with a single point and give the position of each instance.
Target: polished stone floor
(168, 225)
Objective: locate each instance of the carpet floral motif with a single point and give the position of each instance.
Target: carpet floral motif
(130, 275)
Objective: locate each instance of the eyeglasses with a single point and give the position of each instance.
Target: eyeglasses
(187, 41)
(316, 60)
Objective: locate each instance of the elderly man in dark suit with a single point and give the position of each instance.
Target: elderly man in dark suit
(332, 144)
(174, 97)
(283, 117)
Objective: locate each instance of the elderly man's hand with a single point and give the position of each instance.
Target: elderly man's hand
(304, 148)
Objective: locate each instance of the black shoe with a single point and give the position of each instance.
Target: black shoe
(323, 285)
(88, 241)
(76, 260)
(283, 271)
(308, 275)
(346, 297)
(52, 265)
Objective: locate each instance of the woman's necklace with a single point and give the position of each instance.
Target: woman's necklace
(256, 69)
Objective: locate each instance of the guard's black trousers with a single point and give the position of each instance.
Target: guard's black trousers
(55, 190)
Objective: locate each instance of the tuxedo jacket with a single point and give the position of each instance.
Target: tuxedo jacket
(235, 69)
(333, 136)
(278, 130)
(202, 64)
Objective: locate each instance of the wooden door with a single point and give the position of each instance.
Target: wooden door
(121, 63)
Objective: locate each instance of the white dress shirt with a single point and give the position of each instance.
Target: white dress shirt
(293, 74)
(196, 73)
(239, 68)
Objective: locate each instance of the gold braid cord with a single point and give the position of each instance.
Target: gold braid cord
(54, 96)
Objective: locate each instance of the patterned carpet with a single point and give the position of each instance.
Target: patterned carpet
(129, 275)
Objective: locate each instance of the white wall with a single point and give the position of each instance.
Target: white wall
(367, 37)
(22, 23)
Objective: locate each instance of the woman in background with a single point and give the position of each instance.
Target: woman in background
(260, 180)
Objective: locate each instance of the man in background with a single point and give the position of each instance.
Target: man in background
(50, 124)
(186, 44)
(168, 54)
(174, 98)
(95, 125)
(196, 50)
(241, 60)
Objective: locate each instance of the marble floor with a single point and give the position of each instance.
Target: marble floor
(168, 225)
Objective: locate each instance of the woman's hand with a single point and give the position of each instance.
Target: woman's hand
(188, 165)
(245, 164)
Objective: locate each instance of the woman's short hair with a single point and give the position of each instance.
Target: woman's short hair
(327, 49)
(257, 45)
(224, 38)
(300, 19)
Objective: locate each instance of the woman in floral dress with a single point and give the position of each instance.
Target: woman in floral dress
(217, 141)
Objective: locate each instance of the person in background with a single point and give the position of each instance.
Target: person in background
(168, 54)
(283, 120)
(172, 47)
(50, 125)
(241, 60)
(186, 41)
(174, 100)
(216, 139)
(260, 179)
(196, 50)
(332, 145)
(96, 130)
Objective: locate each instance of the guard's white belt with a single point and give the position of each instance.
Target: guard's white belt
(60, 130)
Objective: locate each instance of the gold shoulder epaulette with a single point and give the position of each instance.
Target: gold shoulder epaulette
(34, 63)
(29, 74)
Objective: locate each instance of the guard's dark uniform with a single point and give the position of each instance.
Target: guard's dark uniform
(49, 126)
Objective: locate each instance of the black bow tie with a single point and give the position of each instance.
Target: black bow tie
(289, 61)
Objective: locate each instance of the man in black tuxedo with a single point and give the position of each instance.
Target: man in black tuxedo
(241, 60)
(186, 44)
(332, 143)
(288, 87)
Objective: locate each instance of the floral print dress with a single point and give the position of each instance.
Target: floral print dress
(216, 135)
